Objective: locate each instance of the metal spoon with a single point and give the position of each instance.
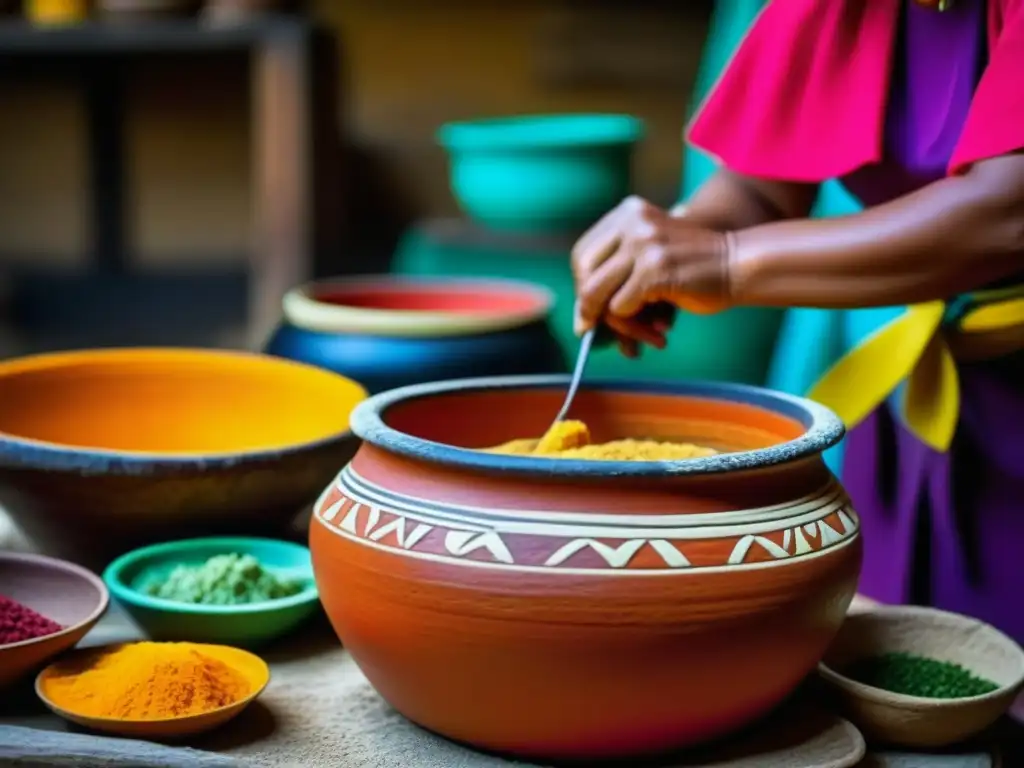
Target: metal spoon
(601, 335)
(586, 343)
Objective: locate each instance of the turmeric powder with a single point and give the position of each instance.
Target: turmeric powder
(570, 439)
(144, 681)
(563, 436)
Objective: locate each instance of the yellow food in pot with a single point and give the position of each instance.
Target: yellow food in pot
(563, 436)
(571, 440)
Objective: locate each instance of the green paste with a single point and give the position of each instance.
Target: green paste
(914, 675)
(231, 579)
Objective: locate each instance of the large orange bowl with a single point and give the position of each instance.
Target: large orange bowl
(565, 609)
(102, 450)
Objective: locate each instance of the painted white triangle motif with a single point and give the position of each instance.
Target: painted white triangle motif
(461, 543)
(739, 552)
(348, 524)
(672, 556)
(828, 534)
(371, 519)
(332, 511)
(416, 535)
(318, 505)
(616, 557)
(398, 527)
(848, 525)
(802, 547)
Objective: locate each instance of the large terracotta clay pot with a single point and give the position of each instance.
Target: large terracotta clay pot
(566, 609)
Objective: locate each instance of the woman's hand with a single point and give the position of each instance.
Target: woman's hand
(637, 259)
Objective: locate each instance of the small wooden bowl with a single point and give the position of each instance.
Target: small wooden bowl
(63, 592)
(913, 721)
(169, 729)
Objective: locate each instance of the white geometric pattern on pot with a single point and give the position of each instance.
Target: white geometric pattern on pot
(599, 543)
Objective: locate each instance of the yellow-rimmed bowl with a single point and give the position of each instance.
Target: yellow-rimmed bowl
(389, 331)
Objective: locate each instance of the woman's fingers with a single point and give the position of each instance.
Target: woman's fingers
(640, 288)
(636, 329)
(618, 252)
(589, 255)
(629, 347)
(592, 296)
(630, 297)
(649, 326)
(601, 246)
(598, 243)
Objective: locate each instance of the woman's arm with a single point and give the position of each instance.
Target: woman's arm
(729, 201)
(954, 235)
(604, 255)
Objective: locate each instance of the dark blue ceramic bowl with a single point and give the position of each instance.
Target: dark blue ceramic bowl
(104, 450)
(387, 332)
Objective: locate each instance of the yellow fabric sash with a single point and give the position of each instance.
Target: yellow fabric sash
(921, 347)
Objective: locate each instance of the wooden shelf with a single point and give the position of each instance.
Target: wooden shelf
(295, 146)
(19, 38)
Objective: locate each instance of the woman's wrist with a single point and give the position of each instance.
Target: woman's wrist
(743, 266)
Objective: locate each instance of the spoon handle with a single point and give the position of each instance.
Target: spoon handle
(577, 374)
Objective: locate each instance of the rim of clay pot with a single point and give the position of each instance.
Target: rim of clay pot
(416, 306)
(822, 429)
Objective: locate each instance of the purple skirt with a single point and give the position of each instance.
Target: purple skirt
(947, 530)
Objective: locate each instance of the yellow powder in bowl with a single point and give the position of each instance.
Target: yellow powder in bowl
(571, 440)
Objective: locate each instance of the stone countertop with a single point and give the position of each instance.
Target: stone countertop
(319, 710)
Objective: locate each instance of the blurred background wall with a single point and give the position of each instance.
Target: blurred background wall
(407, 66)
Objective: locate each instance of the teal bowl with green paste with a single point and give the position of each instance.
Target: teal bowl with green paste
(238, 591)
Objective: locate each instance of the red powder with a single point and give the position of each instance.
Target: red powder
(19, 623)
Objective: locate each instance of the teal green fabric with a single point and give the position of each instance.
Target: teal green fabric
(809, 340)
